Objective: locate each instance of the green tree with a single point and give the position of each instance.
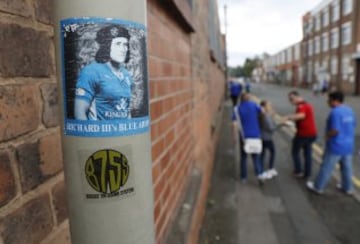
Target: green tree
(237, 71)
(249, 66)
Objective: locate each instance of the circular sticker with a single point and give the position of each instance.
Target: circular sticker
(107, 171)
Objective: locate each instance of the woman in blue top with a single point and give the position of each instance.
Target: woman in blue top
(103, 88)
(246, 122)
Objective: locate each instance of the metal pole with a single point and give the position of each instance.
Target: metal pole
(102, 71)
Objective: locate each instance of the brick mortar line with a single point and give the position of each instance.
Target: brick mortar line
(165, 115)
(164, 152)
(53, 209)
(56, 230)
(21, 200)
(169, 95)
(167, 60)
(163, 135)
(169, 78)
(11, 147)
(169, 147)
(28, 81)
(30, 137)
(26, 22)
(16, 173)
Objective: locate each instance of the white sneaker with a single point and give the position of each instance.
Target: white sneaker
(311, 187)
(264, 176)
(273, 173)
(261, 177)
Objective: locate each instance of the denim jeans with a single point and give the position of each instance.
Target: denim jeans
(258, 167)
(268, 145)
(304, 143)
(327, 167)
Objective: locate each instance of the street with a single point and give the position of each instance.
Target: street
(282, 211)
(277, 95)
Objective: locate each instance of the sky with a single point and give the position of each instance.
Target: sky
(258, 26)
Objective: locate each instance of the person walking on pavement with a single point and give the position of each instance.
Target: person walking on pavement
(268, 127)
(235, 91)
(305, 136)
(246, 122)
(340, 131)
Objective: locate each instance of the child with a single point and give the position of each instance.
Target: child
(268, 127)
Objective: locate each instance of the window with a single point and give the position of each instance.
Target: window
(289, 55)
(346, 33)
(297, 52)
(325, 42)
(325, 63)
(317, 45)
(316, 67)
(347, 7)
(318, 22)
(325, 17)
(309, 72)
(334, 38)
(283, 57)
(334, 65)
(310, 25)
(304, 49)
(335, 10)
(305, 28)
(345, 64)
(310, 48)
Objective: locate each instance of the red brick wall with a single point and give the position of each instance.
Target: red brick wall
(186, 92)
(171, 112)
(208, 89)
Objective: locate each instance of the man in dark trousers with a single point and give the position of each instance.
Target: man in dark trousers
(305, 136)
(235, 91)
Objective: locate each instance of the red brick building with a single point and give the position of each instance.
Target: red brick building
(285, 66)
(187, 82)
(330, 48)
(329, 43)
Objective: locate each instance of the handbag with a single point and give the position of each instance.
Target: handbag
(251, 145)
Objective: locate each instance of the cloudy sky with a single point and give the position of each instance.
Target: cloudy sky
(258, 26)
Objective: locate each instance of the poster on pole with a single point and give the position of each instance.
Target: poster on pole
(104, 77)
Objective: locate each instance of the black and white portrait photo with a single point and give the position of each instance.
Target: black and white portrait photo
(105, 72)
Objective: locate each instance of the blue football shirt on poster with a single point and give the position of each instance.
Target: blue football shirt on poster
(103, 88)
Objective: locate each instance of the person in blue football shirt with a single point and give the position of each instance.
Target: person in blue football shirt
(340, 131)
(235, 91)
(248, 113)
(103, 88)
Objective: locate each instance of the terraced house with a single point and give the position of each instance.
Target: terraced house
(330, 48)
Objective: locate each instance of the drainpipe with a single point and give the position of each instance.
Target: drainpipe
(105, 120)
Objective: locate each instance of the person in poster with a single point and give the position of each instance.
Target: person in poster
(104, 88)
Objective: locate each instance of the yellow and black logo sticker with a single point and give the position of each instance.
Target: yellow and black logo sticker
(107, 172)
